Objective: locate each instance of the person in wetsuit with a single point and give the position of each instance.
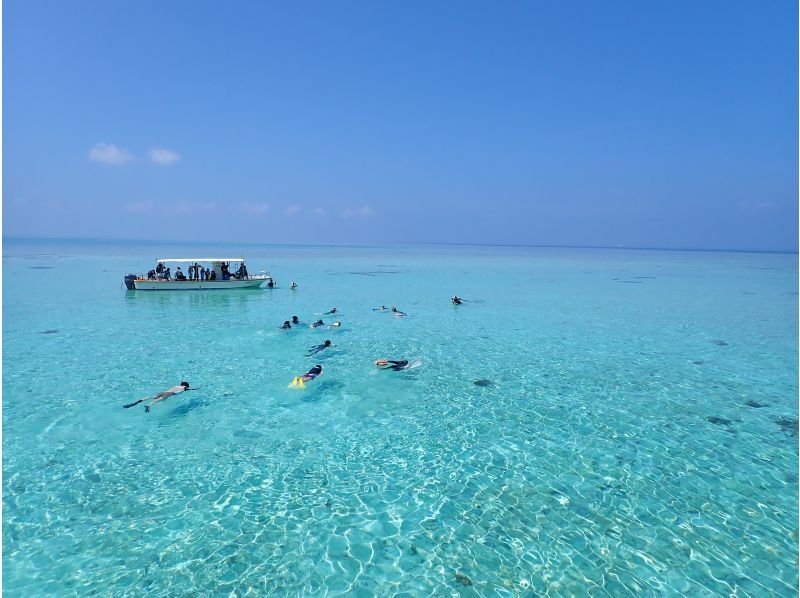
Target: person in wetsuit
(392, 364)
(456, 300)
(317, 324)
(312, 373)
(316, 349)
(295, 320)
(286, 326)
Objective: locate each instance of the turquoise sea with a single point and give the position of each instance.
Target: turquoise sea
(635, 430)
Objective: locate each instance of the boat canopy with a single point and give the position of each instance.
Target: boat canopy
(191, 260)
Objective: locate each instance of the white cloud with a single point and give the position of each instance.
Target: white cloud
(754, 206)
(362, 212)
(140, 207)
(108, 153)
(291, 210)
(192, 207)
(254, 209)
(163, 157)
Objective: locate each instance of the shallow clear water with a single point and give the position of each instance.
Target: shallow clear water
(638, 433)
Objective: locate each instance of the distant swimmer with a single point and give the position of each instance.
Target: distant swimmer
(317, 324)
(286, 325)
(293, 286)
(270, 284)
(336, 324)
(300, 381)
(332, 311)
(381, 308)
(182, 387)
(316, 349)
(295, 320)
(398, 365)
(397, 312)
(456, 300)
(392, 364)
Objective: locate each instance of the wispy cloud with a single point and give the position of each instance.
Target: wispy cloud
(163, 157)
(254, 208)
(193, 207)
(291, 210)
(757, 206)
(108, 153)
(147, 206)
(140, 207)
(362, 212)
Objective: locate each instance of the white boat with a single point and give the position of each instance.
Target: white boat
(221, 276)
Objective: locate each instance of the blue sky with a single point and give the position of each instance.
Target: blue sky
(669, 124)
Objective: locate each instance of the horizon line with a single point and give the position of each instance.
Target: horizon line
(378, 244)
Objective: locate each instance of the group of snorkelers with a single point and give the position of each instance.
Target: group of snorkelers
(295, 321)
(384, 364)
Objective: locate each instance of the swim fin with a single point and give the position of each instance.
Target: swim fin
(297, 383)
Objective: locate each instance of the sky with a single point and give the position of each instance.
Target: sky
(640, 124)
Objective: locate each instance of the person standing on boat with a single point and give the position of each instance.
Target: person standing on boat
(191, 271)
(202, 275)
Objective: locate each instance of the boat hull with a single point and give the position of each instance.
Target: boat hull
(196, 285)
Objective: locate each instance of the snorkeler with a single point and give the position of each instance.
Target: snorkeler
(397, 312)
(317, 324)
(182, 387)
(332, 311)
(293, 286)
(456, 300)
(295, 320)
(316, 349)
(336, 324)
(286, 326)
(391, 364)
(300, 381)
(381, 308)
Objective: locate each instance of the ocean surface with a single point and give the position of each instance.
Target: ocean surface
(589, 422)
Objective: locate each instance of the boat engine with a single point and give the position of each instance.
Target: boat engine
(129, 278)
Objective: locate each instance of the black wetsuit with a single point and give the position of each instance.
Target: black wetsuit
(396, 365)
(317, 349)
(313, 372)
